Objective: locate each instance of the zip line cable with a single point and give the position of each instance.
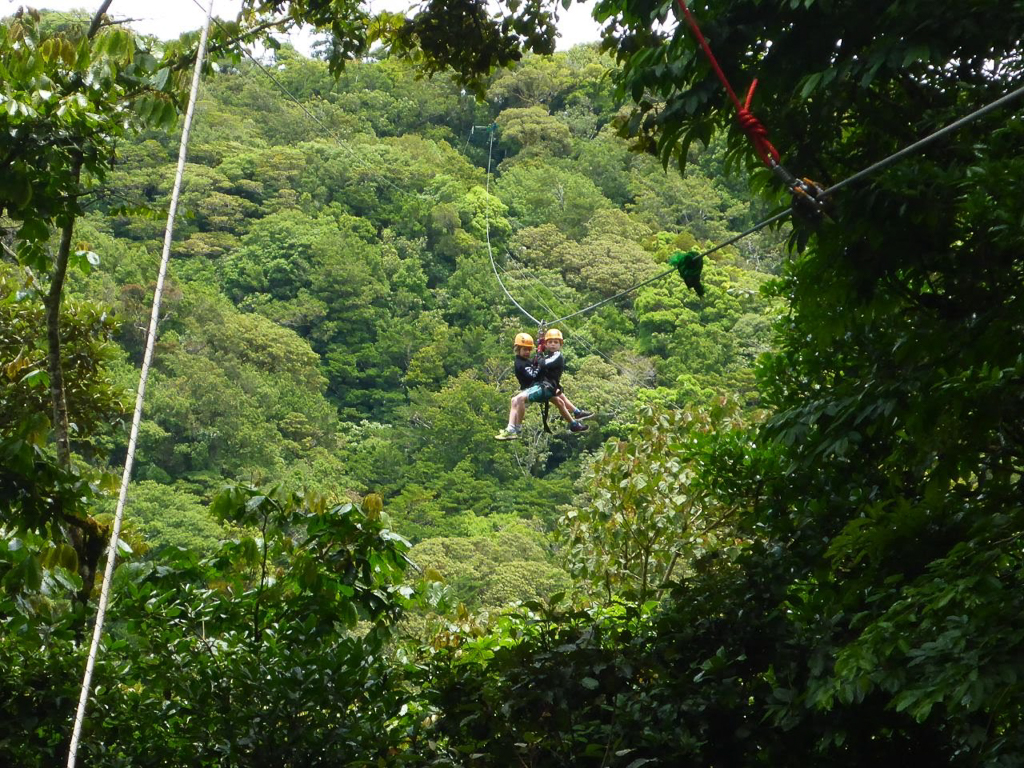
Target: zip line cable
(725, 243)
(871, 169)
(622, 368)
(954, 126)
(490, 253)
(574, 333)
(756, 228)
(540, 301)
(147, 361)
(494, 268)
(637, 378)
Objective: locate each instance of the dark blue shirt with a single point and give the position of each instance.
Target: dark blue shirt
(550, 369)
(526, 373)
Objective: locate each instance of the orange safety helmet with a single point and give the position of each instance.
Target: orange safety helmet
(553, 333)
(523, 340)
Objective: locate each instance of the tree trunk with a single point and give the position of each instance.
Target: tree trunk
(53, 362)
(86, 536)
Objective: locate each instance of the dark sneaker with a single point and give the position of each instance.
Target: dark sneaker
(578, 426)
(582, 413)
(507, 434)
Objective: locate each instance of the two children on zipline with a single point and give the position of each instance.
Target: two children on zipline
(539, 381)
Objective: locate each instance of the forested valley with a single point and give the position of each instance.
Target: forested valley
(791, 535)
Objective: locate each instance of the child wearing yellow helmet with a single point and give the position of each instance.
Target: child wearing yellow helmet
(553, 343)
(539, 380)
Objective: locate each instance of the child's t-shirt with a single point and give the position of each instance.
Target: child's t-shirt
(526, 374)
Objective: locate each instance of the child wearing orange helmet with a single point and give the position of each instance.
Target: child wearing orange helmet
(539, 380)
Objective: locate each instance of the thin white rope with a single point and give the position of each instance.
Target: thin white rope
(147, 360)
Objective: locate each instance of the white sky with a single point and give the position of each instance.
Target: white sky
(169, 18)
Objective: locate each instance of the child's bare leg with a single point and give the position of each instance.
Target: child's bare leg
(520, 410)
(517, 410)
(559, 402)
(565, 400)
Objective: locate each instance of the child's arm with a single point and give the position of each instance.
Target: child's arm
(554, 361)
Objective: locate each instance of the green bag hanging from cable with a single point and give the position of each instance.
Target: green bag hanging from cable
(690, 264)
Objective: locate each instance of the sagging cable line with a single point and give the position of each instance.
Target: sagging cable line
(487, 230)
(147, 361)
(636, 376)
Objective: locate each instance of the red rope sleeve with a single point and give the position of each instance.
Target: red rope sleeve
(749, 124)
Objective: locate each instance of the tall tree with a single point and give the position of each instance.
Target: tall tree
(70, 92)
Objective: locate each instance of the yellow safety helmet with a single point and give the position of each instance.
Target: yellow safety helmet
(553, 333)
(524, 340)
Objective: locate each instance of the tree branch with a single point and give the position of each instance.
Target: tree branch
(219, 47)
(668, 572)
(117, 22)
(97, 20)
(55, 295)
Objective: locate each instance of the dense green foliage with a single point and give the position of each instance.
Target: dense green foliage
(331, 322)
(304, 604)
(792, 535)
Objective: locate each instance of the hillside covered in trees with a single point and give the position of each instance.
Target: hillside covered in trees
(791, 535)
(332, 321)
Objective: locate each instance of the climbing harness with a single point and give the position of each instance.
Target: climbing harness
(807, 195)
(546, 408)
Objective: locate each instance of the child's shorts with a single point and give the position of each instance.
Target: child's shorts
(538, 393)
